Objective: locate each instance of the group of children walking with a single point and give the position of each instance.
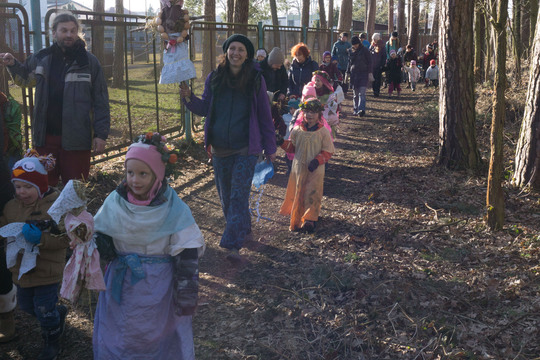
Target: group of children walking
(148, 236)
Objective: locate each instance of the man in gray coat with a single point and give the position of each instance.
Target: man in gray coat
(71, 107)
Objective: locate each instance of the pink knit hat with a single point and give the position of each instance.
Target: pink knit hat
(150, 156)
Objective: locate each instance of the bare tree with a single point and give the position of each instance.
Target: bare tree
(525, 26)
(435, 26)
(275, 22)
(479, 41)
(305, 13)
(527, 160)
(241, 15)
(118, 62)
(370, 23)
(495, 195)
(390, 16)
(457, 134)
(345, 15)
(209, 36)
(402, 31)
(413, 29)
(516, 39)
(230, 11)
(98, 43)
(533, 13)
(426, 18)
(331, 14)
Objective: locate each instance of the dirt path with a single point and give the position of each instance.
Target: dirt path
(400, 267)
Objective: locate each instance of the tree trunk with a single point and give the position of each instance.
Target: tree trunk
(435, 26)
(305, 14)
(345, 16)
(370, 24)
(322, 14)
(413, 30)
(489, 48)
(533, 13)
(209, 36)
(402, 30)
(118, 61)
(275, 23)
(390, 16)
(527, 159)
(330, 15)
(479, 42)
(330, 23)
(98, 38)
(457, 134)
(516, 43)
(426, 18)
(495, 195)
(525, 27)
(241, 15)
(230, 11)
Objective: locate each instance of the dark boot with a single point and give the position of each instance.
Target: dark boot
(51, 337)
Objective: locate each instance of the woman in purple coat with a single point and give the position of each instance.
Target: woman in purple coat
(360, 72)
(237, 129)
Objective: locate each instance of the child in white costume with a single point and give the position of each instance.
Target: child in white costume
(152, 280)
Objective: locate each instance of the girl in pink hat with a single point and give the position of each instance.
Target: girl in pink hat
(153, 244)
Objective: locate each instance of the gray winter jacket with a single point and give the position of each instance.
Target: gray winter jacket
(85, 113)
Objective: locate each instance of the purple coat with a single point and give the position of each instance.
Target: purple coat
(261, 125)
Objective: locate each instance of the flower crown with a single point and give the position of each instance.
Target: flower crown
(323, 74)
(312, 104)
(168, 155)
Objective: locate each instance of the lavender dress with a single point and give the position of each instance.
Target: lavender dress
(135, 316)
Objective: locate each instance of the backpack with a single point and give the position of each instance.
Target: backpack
(10, 115)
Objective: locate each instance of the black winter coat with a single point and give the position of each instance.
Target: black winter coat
(300, 75)
(276, 80)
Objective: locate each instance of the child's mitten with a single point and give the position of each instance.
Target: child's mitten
(105, 246)
(313, 165)
(31, 233)
(186, 281)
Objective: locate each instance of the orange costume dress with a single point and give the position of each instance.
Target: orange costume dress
(305, 189)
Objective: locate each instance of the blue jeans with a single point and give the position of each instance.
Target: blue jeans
(359, 94)
(233, 176)
(40, 301)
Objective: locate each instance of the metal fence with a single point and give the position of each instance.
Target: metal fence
(142, 104)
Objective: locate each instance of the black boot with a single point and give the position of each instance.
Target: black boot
(51, 337)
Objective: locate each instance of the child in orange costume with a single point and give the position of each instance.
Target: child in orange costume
(312, 145)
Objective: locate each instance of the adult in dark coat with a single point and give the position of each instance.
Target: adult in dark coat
(360, 71)
(302, 69)
(274, 73)
(378, 59)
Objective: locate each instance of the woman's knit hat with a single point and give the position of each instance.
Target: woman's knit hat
(276, 57)
(355, 40)
(32, 169)
(325, 54)
(261, 52)
(242, 39)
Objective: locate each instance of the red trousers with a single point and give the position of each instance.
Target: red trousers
(69, 164)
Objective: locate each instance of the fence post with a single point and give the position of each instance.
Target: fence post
(36, 25)
(304, 34)
(187, 123)
(261, 35)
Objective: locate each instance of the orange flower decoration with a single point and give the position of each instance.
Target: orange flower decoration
(149, 135)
